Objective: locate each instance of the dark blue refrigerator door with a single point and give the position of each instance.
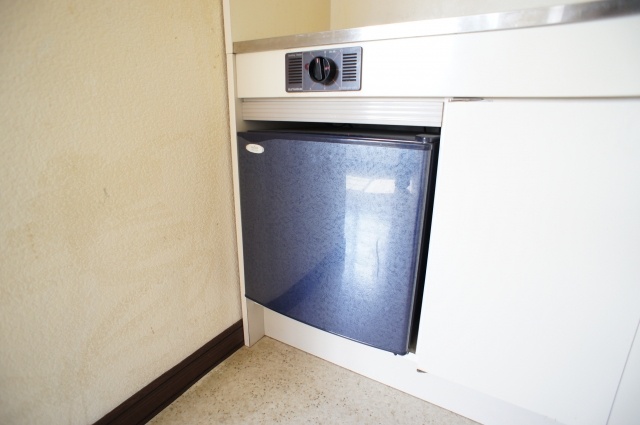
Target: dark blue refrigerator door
(332, 230)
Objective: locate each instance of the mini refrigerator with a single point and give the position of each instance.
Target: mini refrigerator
(335, 228)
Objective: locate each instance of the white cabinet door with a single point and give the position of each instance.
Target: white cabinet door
(533, 279)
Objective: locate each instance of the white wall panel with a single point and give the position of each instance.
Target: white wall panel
(359, 13)
(251, 19)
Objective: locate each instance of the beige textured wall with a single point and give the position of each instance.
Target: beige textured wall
(360, 13)
(255, 19)
(116, 219)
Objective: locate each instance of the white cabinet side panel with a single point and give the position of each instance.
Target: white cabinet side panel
(252, 315)
(591, 59)
(533, 280)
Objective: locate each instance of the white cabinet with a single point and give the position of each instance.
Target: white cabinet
(533, 281)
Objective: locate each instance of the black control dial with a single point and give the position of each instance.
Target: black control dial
(322, 70)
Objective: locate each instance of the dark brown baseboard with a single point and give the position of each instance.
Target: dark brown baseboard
(149, 401)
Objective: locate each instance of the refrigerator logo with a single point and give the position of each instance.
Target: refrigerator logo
(254, 148)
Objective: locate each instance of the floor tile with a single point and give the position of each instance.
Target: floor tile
(273, 383)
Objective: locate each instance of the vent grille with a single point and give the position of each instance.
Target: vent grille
(349, 67)
(294, 71)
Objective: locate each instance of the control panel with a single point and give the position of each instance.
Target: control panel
(324, 70)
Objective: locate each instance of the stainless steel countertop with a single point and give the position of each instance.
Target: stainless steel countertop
(526, 18)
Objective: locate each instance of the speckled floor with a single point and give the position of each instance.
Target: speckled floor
(274, 383)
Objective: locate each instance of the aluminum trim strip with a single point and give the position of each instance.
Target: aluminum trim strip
(526, 18)
(398, 111)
